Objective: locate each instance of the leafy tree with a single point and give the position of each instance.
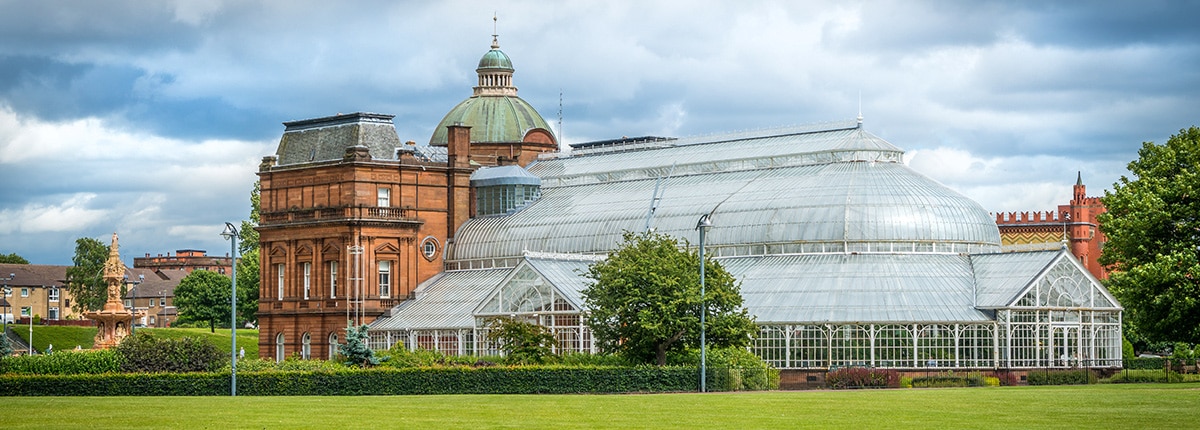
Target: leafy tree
(644, 300)
(249, 263)
(522, 342)
(203, 296)
(247, 281)
(1153, 229)
(85, 280)
(355, 349)
(13, 259)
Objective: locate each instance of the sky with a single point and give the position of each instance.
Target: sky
(149, 118)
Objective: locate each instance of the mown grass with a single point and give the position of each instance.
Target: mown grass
(1090, 406)
(68, 337)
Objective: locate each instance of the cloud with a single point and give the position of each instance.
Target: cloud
(69, 215)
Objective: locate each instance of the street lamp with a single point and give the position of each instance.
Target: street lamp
(231, 234)
(703, 225)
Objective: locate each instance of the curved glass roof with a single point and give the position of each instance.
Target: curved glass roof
(835, 191)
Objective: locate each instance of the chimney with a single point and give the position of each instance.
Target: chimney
(458, 145)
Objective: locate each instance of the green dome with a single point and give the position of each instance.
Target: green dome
(495, 60)
(492, 119)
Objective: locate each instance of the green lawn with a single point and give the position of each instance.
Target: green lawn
(1092, 406)
(67, 337)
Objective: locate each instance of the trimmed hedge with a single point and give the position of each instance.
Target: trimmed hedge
(455, 380)
(862, 377)
(63, 363)
(1060, 377)
(1141, 376)
(949, 380)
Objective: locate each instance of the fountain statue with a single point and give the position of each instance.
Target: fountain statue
(113, 320)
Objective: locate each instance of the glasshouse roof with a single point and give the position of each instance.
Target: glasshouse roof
(839, 190)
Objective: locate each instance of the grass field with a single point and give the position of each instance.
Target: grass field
(1091, 406)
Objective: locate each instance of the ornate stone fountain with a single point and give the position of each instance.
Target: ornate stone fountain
(114, 321)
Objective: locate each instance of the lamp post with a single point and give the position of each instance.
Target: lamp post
(231, 234)
(703, 225)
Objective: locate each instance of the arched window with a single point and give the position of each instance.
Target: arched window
(306, 346)
(333, 345)
(279, 347)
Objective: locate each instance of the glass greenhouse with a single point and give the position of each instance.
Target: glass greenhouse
(845, 256)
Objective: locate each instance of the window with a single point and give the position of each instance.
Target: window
(333, 279)
(385, 279)
(305, 346)
(129, 303)
(279, 281)
(152, 320)
(162, 301)
(25, 311)
(24, 292)
(54, 295)
(307, 279)
(150, 303)
(333, 345)
(384, 198)
(429, 248)
(279, 347)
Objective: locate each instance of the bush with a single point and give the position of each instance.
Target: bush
(353, 381)
(144, 353)
(737, 369)
(949, 379)
(1060, 377)
(522, 342)
(1008, 379)
(1145, 363)
(863, 377)
(63, 363)
(1144, 376)
(586, 359)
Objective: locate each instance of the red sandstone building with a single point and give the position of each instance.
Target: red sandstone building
(185, 260)
(353, 220)
(1074, 223)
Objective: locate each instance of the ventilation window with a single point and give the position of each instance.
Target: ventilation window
(429, 248)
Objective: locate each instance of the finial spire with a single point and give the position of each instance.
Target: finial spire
(1079, 178)
(860, 117)
(495, 32)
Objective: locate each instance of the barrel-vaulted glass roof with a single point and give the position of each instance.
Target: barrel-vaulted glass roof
(841, 190)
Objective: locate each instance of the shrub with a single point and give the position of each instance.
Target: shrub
(1008, 379)
(353, 381)
(63, 363)
(145, 353)
(737, 369)
(1060, 377)
(355, 350)
(948, 379)
(991, 381)
(586, 359)
(1144, 376)
(863, 377)
(1145, 363)
(522, 342)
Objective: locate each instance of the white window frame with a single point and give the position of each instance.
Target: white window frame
(279, 275)
(333, 266)
(279, 350)
(333, 345)
(26, 311)
(385, 279)
(383, 197)
(307, 280)
(162, 301)
(24, 292)
(54, 294)
(306, 346)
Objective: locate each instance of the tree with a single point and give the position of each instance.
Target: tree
(249, 263)
(522, 342)
(355, 349)
(85, 280)
(644, 300)
(203, 296)
(1153, 230)
(12, 259)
